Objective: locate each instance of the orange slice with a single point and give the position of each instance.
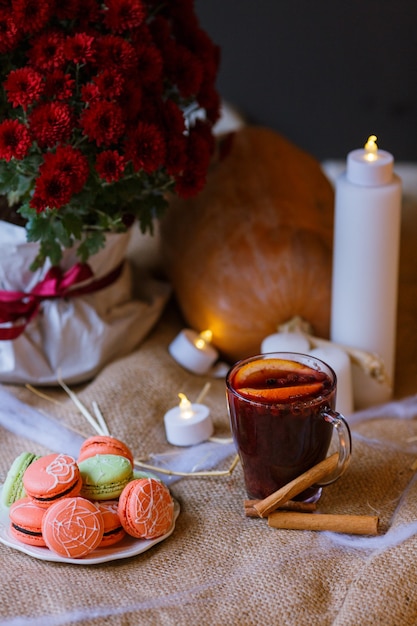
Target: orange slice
(280, 394)
(254, 373)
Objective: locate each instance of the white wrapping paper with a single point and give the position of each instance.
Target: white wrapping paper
(74, 337)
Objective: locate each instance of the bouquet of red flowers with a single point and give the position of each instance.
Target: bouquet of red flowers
(105, 108)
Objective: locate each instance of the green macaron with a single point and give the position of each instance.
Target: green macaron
(104, 476)
(13, 488)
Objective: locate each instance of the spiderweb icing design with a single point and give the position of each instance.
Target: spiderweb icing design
(153, 508)
(75, 528)
(62, 470)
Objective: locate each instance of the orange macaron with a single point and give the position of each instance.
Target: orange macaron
(73, 527)
(146, 508)
(113, 530)
(104, 444)
(26, 521)
(52, 477)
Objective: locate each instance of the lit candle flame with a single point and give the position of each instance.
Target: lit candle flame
(371, 148)
(185, 406)
(203, 339)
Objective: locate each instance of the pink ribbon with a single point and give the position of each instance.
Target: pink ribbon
(20, 305)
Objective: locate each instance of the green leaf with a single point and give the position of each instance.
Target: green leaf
(92, 243)
(61, 234)
(9, 182)
(47, 249)
(73, 224)
(26, 211)
(38, 228)
(147, 209)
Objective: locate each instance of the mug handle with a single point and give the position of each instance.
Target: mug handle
(345, 443)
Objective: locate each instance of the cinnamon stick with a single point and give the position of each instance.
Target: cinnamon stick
(290, 505)
(349, 524)
(311, 477)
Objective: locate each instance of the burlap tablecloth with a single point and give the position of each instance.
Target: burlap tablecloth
(220, 567)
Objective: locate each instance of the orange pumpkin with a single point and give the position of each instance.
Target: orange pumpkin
(254, 249)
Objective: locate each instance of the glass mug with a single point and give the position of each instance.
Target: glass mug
(281, 410)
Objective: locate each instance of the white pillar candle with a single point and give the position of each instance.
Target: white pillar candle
(339, 361)
(194, 351)
(285, 342)
(365, 263)
(188, 423)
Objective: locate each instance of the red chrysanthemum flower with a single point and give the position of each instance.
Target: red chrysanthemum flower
(62, 174)
(201, 144)
(141, 35)
(113, 51)
(130, 101)
(209, 99)
(106, 92)
(47, 52)
(151, 108)
(52, 191)
(109, 83)
(122, 15)
(15, 140)
(176, 155)
(184, 70)
(80, 48)
(23, 87)
(9, 33)
(173, 118)
(172, 121)
(160, 29)
(31, 15)
(145, 147)
(110, 165)
(103, 122)
(190, 182)
(183, 18)
(70, 162)
(51, 123)
(59, 85)
(150, 63)
(89, 93)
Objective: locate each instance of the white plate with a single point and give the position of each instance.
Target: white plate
(127, 547)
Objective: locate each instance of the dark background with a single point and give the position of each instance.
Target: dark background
(324, 73)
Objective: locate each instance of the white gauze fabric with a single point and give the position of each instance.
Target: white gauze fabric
(74, 337)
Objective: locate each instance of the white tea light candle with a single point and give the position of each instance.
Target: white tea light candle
(188, 423)
(285, 342)
(365, 263)
(194, 351)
